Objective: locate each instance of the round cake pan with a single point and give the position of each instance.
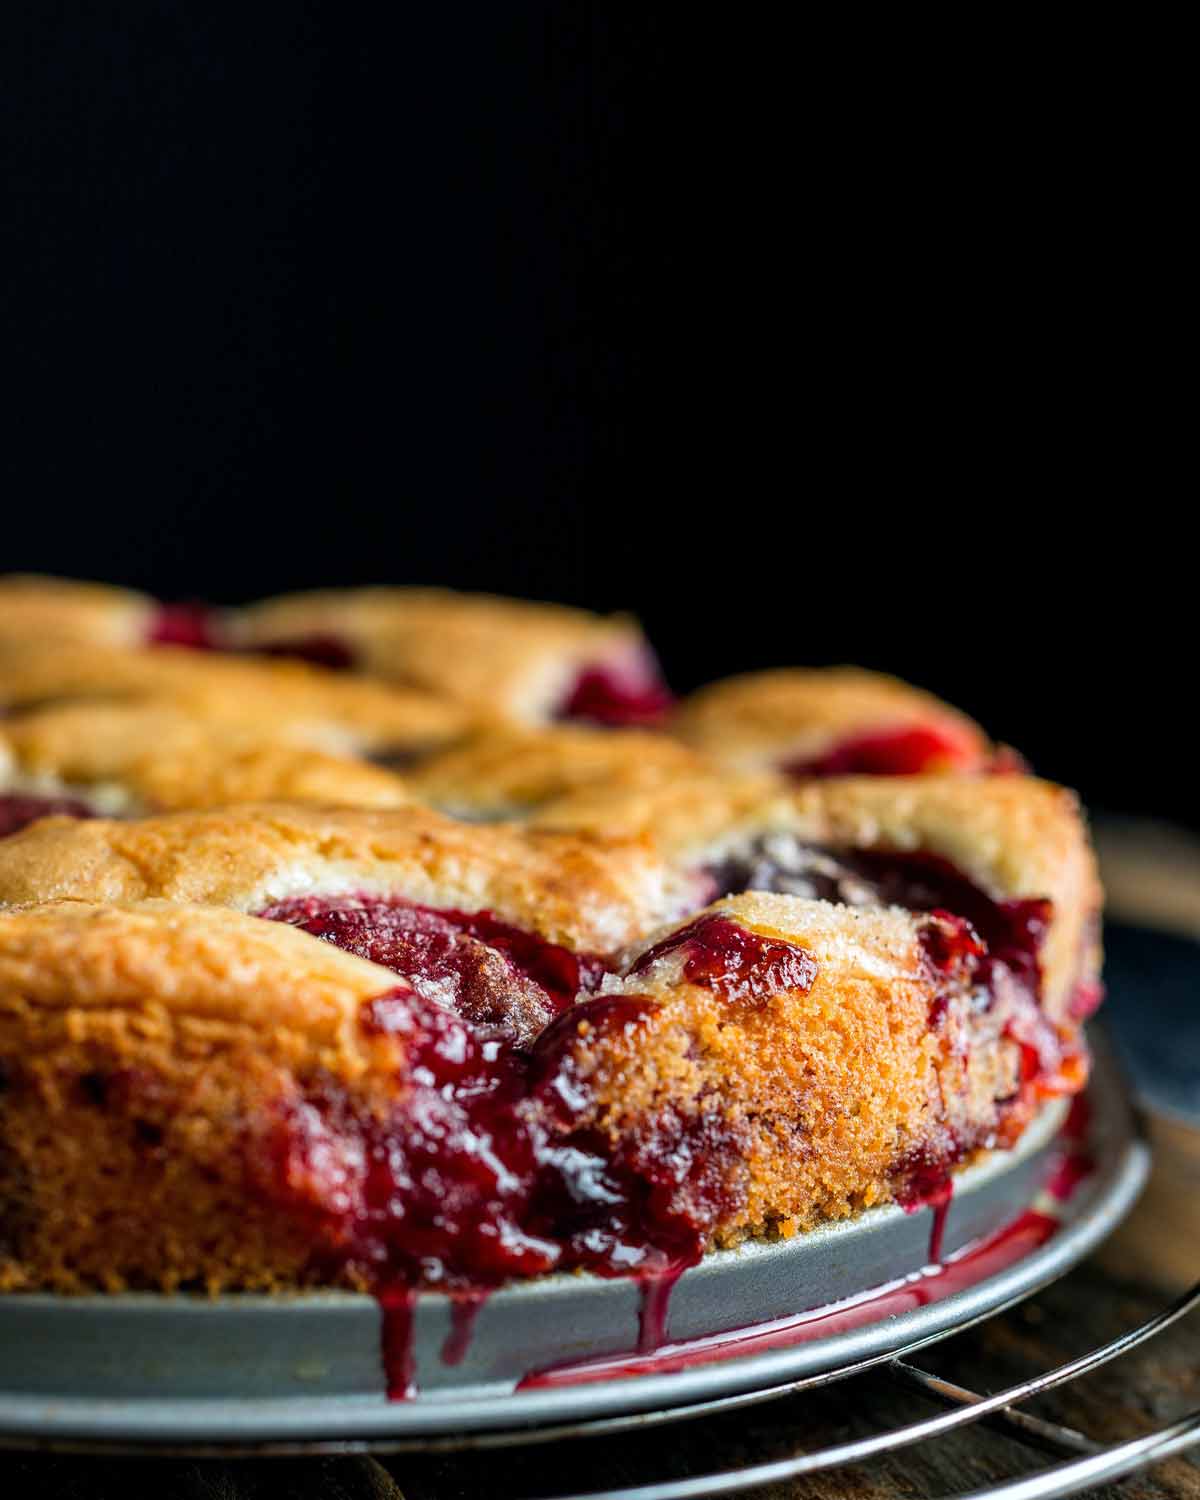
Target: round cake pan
(250, 1369)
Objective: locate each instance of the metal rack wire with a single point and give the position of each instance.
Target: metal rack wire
(1085, 1464)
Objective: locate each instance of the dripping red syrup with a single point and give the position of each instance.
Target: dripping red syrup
(398, 1307)
(959, 1271)
(464, 1309)
(485, 1169)
(941, 1278)
(1074, 1162)
(928, 1184)
(1079, 1120)
(1071, 1168)
(938, 1201)
(488, 1166)
(655, 1308)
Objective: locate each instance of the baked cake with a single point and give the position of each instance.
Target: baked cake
(946, 979)
(508, 658)
(310, 978)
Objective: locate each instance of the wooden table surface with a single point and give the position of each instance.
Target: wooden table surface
(1156, 1253)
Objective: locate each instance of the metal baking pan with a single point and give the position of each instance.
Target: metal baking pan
(250, 1369)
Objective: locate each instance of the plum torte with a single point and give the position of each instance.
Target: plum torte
(507, 658)
(537, 1049)
(492, 961)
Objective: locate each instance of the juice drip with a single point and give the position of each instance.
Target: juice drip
(656, 1300)
(1005, 1248)
(463, 1312)
(937, 1230)
(398, 1304)
(941, 1278)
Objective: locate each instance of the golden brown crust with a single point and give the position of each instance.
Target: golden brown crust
(768, 719)
(287, 699)
(153, 1035)
(142, 1048)
(588, 894)
(186, 980)
(36, 608)
(160, 756)
(831, 1093)
(150, 1049)
(507, 772)
(514, 657)
(676, 813)
(1014, 836)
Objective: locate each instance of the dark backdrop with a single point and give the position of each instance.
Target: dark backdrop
(802, 353)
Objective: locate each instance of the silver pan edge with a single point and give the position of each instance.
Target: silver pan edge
(246, 1369)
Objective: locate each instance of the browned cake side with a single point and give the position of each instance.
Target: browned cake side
(191, 1097)
(138, 1046)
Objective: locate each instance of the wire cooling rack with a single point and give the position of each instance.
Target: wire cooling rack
(1084, 1463)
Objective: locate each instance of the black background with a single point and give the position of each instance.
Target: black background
(806, 349)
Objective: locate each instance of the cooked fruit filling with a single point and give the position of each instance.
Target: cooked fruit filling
(498, 977)
(18, 809)
(497, 1159)
(199, 626)
(492, 1163)
(1012, 930)
(620, 694)
(482, 1170)
(192, 625)
(991, 945)
(739, 964)
(893, 752)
